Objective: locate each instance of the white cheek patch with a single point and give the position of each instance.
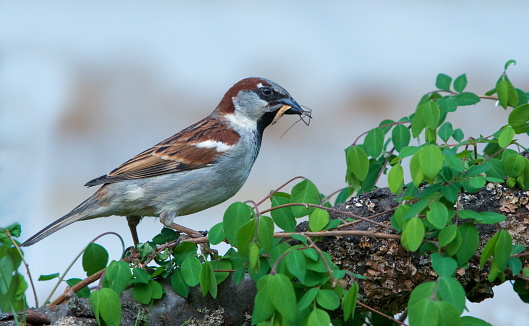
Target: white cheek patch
(218, 145)
(241, 121)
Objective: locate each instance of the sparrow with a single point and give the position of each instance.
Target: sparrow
(197, 168)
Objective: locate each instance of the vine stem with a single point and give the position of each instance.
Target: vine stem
(329, 270)
(380, 313)
(26, 266)
(329, 210)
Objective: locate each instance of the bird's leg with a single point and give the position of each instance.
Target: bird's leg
(167, 219)
(133, 222)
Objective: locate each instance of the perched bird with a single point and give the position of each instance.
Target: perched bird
(199, 167)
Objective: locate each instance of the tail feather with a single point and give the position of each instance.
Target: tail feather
(75, 215)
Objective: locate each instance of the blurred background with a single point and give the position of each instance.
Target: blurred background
(86, 85)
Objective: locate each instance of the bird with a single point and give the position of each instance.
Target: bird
(199, 167)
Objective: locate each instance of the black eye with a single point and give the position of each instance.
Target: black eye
(266, 91)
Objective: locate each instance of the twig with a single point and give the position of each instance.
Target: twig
(329, 270)
(380, 313)
(280, 187)
(87, 281)
(329, 210)
(27, 267)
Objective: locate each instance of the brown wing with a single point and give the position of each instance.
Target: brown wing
(175, 154)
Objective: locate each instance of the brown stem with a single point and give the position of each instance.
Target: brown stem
(380, 313)
(26, 266)
(87, 281)
(329, 210)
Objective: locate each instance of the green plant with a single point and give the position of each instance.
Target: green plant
(298, 283)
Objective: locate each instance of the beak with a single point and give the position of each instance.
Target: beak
(295, 108)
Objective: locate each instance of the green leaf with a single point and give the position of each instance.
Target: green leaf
(283, 217)
(455, 245)
(349, 301)
(431, 114)
(311, 253)
(357, 162)
(304, 192)
(508, 63)
(142, 293)
(318, 219)
(515, 265)
(396, 179)
(447, 235)
(437, 215)
(443, 82)
(491, 217)
(467, 98)
(417, 175)
(156, 289)
(488, 250)
(400, 137)
(191, 268)
(208, 282)
(408, 151)
(443, 266)
(296, 264)
(454, 162)
(178, 283)
(84, 292)
(418, 123)
(307, 298)
(502, 89)
(328, 299)
(263, 307)
(519, 116)
(184, 250)
(458, 135)
(447, 104)
(46, 277)
(318, 317)
(506, 137)
(216, 234)
(413, 234)
(430, 160)
(473, 321)
(502, 249)
(452, 291)
(265, 233)
(470, 214)
(117, 276)
(451, 192)
(222, 264)
(95, 258)
(514, 165)
(445, 131)
(374, 142)
(166, 235)
(283, 297)
(106, 306)
(236, 215)
(460, 83)
(245, 236)
(423, 313)
(470, 242)
(448, 315)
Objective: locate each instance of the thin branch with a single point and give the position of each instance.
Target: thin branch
(329, 270)
(380, 313)
(386, 125)
(87, 281)
(280, 187)
(329, 210)
(27, 267)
